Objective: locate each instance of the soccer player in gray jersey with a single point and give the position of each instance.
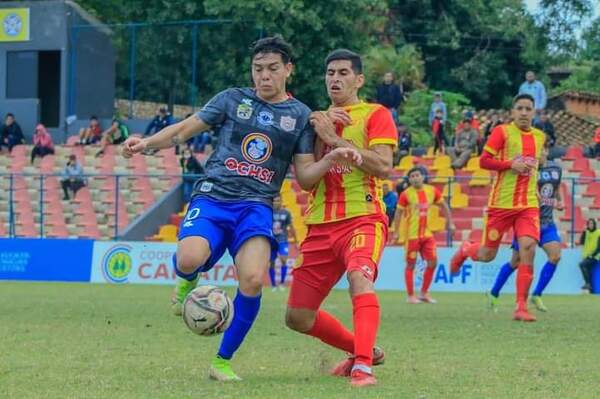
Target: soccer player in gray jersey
(549, 179)
(261, 130)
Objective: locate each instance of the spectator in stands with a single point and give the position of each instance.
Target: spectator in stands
(590, 239)
(390, 94)
(91, 134)
(404, 143)
(115, 134)
(464, 146)
(42, 143)
(544, 124)
(438, 129)
(390, 199)
(536, 89)
(162, 119)
(468, 119)
(190, 168)
(596, 148)
(11, 133)
(489, 125)
(73, 177)
(438, 104)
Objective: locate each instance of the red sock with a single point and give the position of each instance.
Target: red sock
(471, 250)
(427, 277)
(524, 279)
(409, 280)
(332, 332)
(366, 323)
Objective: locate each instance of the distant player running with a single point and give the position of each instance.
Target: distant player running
(282, 226)
(260, 131)
(514, 151)
(414, 204)
(549, 179)
(347, 221)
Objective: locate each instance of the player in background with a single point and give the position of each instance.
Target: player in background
(347, 222)
(282, 227)
(261, 130)
(514, 151)
(414, 204)
(549, 179)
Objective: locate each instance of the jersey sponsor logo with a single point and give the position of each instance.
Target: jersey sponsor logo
(244, 111)
(264, 118)
(256, 172)
(117, 264)
(256, 148)
(287, 123)
(206, 187)
(190, 216)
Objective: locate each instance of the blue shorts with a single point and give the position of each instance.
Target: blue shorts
(548, 233)
(283, 248)
(226, 226)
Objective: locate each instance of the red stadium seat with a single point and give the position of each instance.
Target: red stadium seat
(573, 153)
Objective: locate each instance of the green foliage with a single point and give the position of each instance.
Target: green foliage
(415, 113)
(584, 78)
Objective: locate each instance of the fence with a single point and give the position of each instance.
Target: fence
(109, 203)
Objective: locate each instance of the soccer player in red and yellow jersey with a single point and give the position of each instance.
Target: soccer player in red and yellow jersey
(514, 151)
(414, 204)
(347, 222)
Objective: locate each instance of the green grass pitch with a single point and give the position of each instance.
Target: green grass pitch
(104, 341)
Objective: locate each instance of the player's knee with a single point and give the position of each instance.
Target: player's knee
(554, 258)
(252, 281)
(359, 283)
(299, 321)
(188, 262)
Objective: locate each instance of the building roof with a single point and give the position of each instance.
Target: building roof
(578, 95)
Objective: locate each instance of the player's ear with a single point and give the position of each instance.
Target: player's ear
(360, 80)
(289, 68)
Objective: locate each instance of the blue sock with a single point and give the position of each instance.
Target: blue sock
(283, 273)
(179, 273)
(245, 311)
(545, 277)
(503, 275)
(272, 277)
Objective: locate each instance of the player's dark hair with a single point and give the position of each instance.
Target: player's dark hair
(11, 115)
(93, 117)
(415, 169)
(346, 55)
(274, 44)
(523, 96)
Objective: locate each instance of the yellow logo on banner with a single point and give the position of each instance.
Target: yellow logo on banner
(15, 24)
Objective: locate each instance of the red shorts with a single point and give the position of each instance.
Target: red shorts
(498, 221)
(331, 249)
(425, 246)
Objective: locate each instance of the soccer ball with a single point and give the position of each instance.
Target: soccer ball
(207, 310)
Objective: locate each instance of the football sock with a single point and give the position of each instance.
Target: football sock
(283, 273)
(332, 332)
(501, 278)
(408, 278)
(524, 278)
(472, 249)
(245, 312)
(366, 323)
(427, 278)
(545, 277)
(272, 276)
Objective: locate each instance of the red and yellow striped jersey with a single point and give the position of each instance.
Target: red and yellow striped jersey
(511, 190)
(415, 204)
(346, 192)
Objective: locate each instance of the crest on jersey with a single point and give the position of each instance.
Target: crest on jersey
(265, 118)
(256, 148)
(244, 110)
(287, 123)
(493, 235)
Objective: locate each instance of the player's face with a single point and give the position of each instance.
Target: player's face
(269, 75)
(416, 179)
(277, 202)
(342, 82)
(522, 113)
(9, 120)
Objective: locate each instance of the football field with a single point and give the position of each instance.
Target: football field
(106, 341)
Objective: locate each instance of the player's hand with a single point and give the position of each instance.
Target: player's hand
(393, 238)
(339, 115)
(344, 156)
(324, 127)
(520, 167)
(133, 145)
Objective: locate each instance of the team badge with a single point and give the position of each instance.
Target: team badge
(493, 235)
(256, 148)
(244, 110)
(12, 24)
(287, 123)
(265, 118)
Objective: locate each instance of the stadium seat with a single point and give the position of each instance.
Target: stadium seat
(441, 162)
(480, 177)
(429, 154)
(458, 198)
(573, 153)
(472, 165)
(406, 163)
(443, 176)
(167, 233)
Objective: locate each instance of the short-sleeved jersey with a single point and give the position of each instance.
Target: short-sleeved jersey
(415, 204)
(256, 143)
(549, 178)
(282, 219)
(510, 190)
(346, 192)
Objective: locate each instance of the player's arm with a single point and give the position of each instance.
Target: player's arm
(397, 222)
(377, 160)
(293, 231)
(309, 172)
(447, 214)
(560, 205)
(495, 143)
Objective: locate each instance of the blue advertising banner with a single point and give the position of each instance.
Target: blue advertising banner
(45, 260)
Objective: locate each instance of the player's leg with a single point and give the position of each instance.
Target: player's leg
(527, 230)
(550, 242)
(503, 275)
(273, 274)
(411, 250)
(283, 257)
(428, 253)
